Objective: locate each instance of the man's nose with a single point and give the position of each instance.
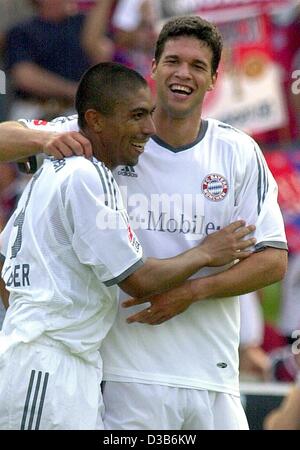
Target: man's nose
(183, 71)
(149, 127)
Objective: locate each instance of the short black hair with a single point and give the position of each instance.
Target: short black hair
(103, 85)
(193, 26)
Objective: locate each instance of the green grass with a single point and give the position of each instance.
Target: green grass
(271, 302)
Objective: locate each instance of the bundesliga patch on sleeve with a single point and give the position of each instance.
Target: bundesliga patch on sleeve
(38, 122)
(133, 239)
(214, 187)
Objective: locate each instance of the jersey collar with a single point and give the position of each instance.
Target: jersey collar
(202, 132)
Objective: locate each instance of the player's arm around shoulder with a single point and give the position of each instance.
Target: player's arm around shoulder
(19, 140)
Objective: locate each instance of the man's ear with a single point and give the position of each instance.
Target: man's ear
(153, 69)
(94, 120)
(213, 81)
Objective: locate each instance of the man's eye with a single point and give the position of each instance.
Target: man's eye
(199, 67)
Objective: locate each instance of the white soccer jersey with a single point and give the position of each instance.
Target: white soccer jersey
(60, 124)
(252, 320)
(175, 197)
(67, 246)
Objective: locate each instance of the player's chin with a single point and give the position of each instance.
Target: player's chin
(180, 111)
(133, 160)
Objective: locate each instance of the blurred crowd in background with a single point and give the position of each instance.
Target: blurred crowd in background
(46, 45)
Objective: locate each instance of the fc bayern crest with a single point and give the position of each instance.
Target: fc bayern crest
(214, 187)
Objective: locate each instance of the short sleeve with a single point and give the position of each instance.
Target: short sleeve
(252, 320)
(59, 125)
(256, 199)
(102, 236)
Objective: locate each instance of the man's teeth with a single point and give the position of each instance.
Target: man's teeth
(179, 88)
(140, 146)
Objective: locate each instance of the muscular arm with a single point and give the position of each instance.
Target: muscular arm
(158, 275)
(18, 142)
(259, 270)
(217, 249)
(255, 272)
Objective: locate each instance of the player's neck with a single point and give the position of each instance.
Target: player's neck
(100, 150)
(177, 132)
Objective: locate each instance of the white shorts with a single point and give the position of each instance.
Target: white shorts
(134, 406)
(43, 386)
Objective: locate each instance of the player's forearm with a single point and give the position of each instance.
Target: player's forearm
(259, 270)
(17, 141)
(166, 273)
(39, 82)
(158, 275)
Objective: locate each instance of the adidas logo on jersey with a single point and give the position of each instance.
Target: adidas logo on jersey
(128, 171)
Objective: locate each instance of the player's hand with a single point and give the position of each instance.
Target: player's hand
(163, 306)
(70, 143)
(228, 244)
